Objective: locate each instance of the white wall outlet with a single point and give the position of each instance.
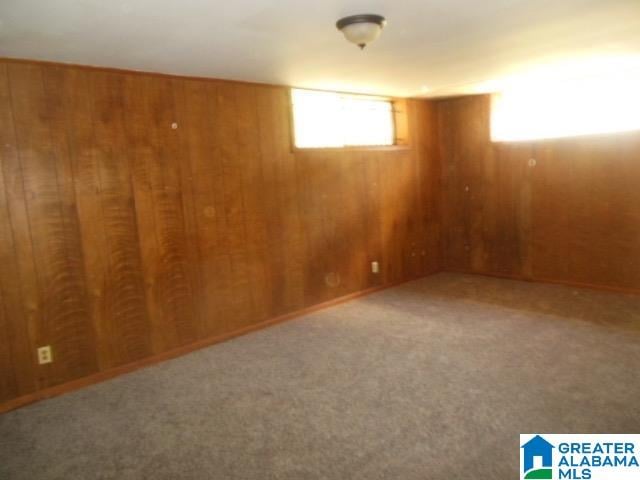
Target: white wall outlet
(375, 267)
(44, 355)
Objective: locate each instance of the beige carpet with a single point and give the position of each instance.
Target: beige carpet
(432, 380)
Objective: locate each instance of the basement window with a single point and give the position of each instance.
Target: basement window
(599, 105)
(338, 120)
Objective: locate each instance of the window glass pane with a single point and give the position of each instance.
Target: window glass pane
(327, 119)
(565, 109)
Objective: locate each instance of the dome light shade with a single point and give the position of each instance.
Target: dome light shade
(361, 29)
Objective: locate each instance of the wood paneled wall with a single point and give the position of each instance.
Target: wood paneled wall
(122, 237)
(572, 217)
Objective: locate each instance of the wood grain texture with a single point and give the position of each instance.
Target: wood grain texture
(572, 217)
(123, 238)
(95, 116)
(16, 246)
(63, 314)
(17, 374)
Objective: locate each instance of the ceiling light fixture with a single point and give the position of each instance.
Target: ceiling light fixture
(361, 29)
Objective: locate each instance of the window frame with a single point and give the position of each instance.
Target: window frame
(399, 119)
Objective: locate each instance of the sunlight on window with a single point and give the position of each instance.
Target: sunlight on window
(328, 119)
(604, 103)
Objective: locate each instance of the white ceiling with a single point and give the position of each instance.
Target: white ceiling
(429, 47)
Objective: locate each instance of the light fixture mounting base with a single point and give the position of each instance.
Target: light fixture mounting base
(361, 18)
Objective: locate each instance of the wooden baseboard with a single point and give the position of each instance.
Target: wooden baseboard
(177, 352)
(591, 286)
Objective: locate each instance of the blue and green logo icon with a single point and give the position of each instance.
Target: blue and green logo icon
(537, 462)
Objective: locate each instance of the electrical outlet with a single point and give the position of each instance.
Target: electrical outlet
(375, 267)
(44, 355)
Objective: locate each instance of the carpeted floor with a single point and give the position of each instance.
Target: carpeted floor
(432, 380)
